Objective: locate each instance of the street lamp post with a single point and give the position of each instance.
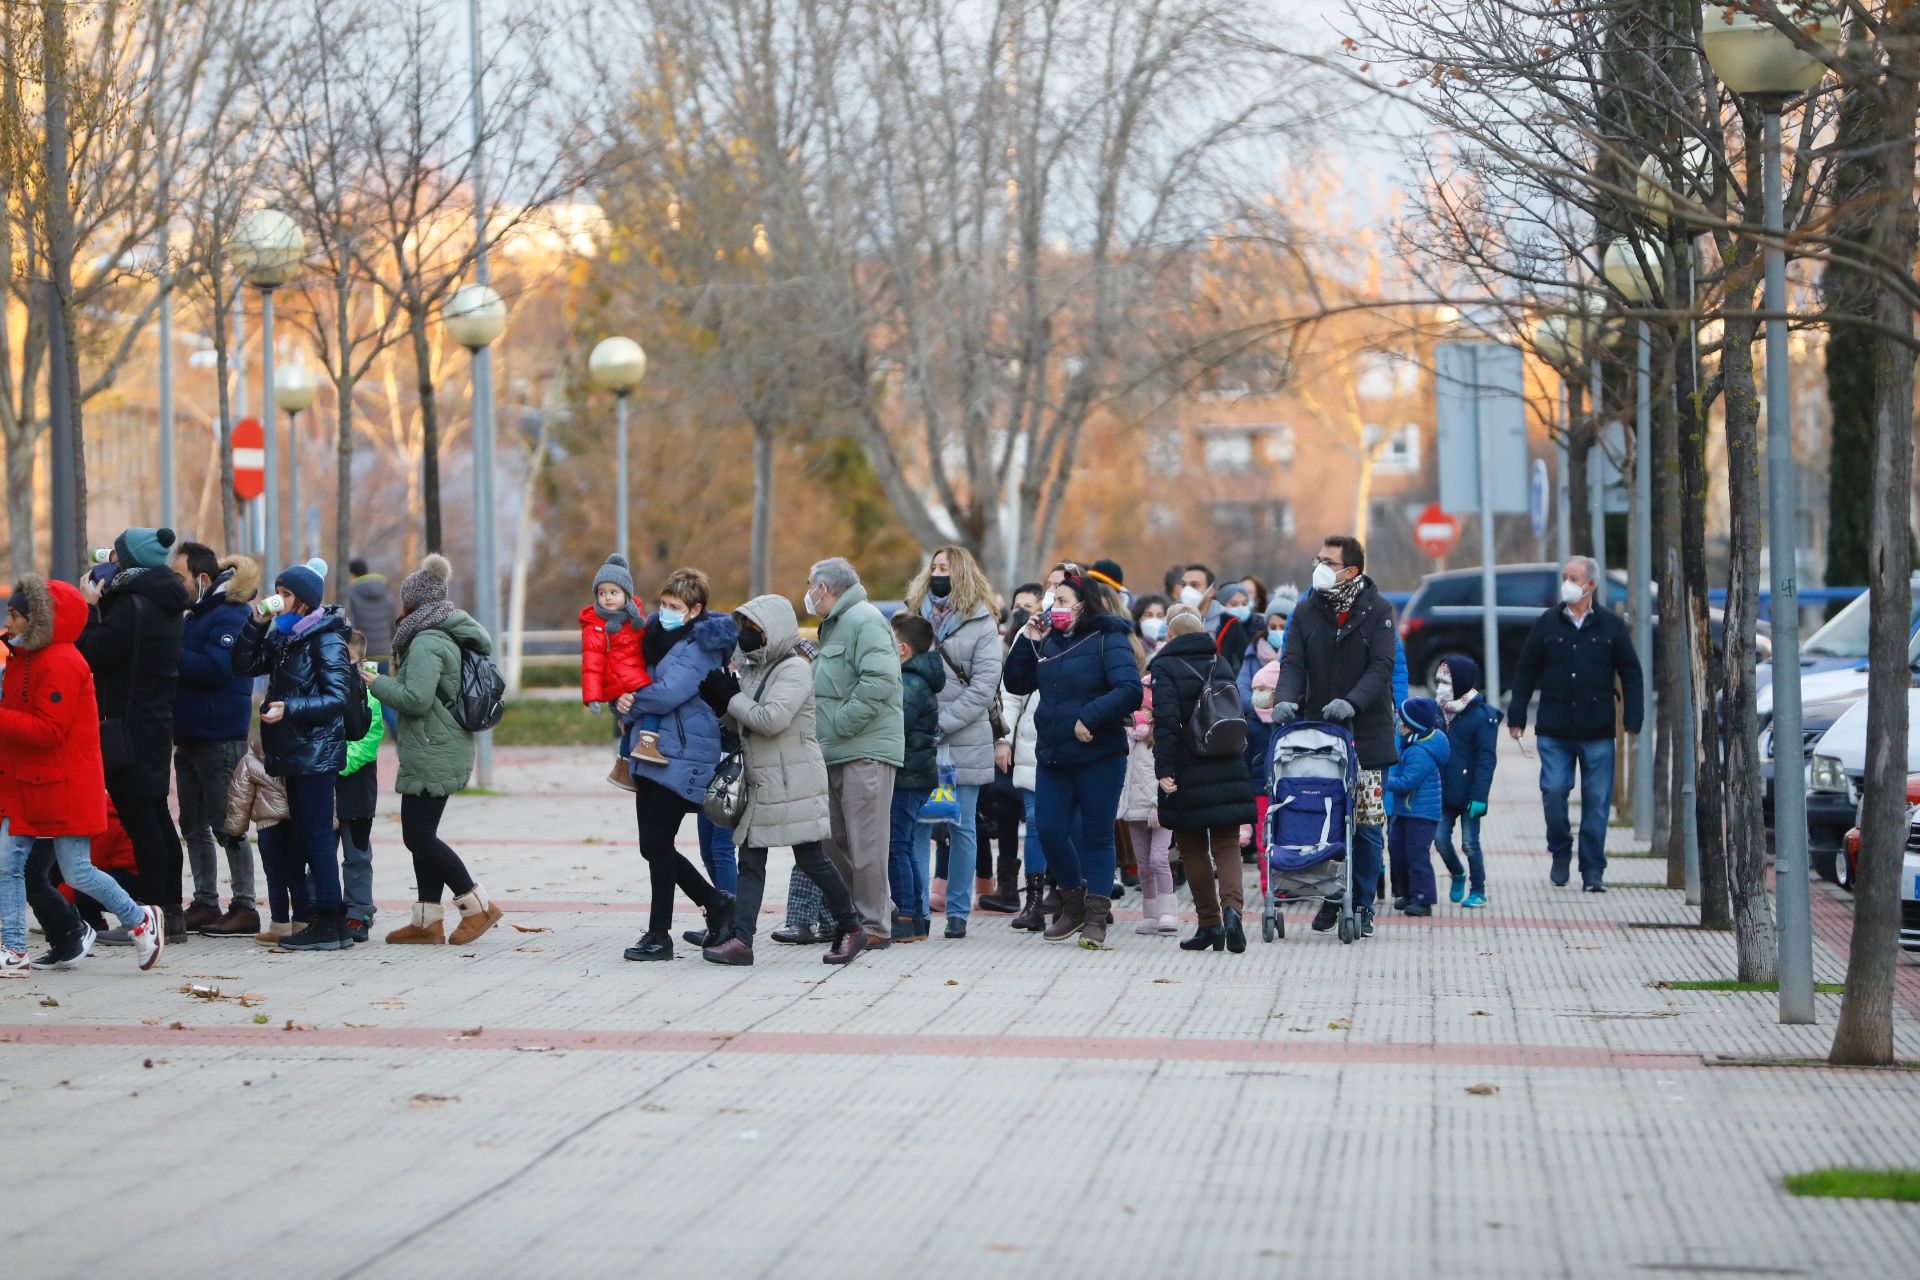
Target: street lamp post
(1561, 341)
(474, 316)
(1757, 60)
(618, 365)
(266, 249)
(1634, 271)
(294, 388)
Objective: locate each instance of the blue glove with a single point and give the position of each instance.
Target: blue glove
(1476, 808)
(1339, 710)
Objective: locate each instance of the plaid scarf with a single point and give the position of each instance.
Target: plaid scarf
(1341, 595)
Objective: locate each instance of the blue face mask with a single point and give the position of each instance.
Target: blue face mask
(284, 623)
(1239, 612)
(672, 619)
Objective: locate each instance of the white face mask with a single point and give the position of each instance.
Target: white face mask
(1570, 592)
(1324, 578)
(812, 608)
(1191, 596)
(1154, 629)
(1443, 691)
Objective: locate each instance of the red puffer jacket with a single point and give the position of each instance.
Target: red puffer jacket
(50, 778)
(610, 665)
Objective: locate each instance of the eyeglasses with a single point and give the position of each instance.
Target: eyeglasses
(1335, 565)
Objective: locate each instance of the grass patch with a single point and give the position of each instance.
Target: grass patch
(1820, 1064)
(1858, 1184)
(542, 674)
(481, 791)
(1733, 984)
(533, 723)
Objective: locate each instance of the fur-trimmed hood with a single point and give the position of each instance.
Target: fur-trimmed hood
(33, 601)
(239, 580)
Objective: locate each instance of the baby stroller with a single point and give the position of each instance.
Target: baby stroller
(1312, 775)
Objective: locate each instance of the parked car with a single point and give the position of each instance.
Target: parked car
(1824, 696)
(1833, 781)
(1848, 865)
(1444, 615)
(1909, 872)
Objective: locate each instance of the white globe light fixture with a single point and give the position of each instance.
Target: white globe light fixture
(1752, 56)
(475, 315)
(617, 365)
(267, 248)
(1633, 270)
(1676, 198)
(294, 388)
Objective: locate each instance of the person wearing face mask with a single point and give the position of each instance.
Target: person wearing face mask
(1337, 664)
(212, 709)
(1150, 622)
(1473, 739)
(1233, 637)
(1573, 657)
(1016, 757)
(1195, 590)
(1079, 658)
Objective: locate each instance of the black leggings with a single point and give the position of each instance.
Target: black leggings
(436, 868)
(157, 855)
(659, 813)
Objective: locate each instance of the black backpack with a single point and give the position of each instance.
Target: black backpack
(481, 701)
(1218, 726)
(358, 719)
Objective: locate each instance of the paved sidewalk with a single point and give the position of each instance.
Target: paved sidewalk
(535, 1105)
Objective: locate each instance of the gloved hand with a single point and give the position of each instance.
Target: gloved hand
(1476, 808)
(1285, 711)
(1339, 710)
(596, 707)
(718, 688)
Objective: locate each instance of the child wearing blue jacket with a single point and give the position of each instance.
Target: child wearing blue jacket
(1413, 802)
(1473, 736)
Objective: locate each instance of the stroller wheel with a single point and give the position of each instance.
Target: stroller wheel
(1349, 928)
(1270, 928)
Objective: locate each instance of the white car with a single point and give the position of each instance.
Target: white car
(1833, 795)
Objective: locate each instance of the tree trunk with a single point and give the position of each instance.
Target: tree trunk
(429, 426)
(1670, 826)
(343, 481)
(1847, 291)
(1747, 851)
(523, 550)
(760, 554)
(20, 502)
(229, 505)
(1580, 429)
(1363, 493)
(1865, 1031)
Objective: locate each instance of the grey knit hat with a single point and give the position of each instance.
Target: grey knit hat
(615, 571)
(427, 584)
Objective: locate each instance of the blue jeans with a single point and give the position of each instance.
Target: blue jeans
(1476, 868)
(907, 853)
(1557, 759)
(1076, 808)
(1369, 848)
(964, 848)
(310, 828)
(75, 855)
(1410, 842)
(718, 854)
(1035, 861)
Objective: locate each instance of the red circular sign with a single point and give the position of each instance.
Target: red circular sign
(249, 459)
(1436, 532)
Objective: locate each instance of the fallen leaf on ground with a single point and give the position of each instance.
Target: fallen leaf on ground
(433, 1099)
(952, 983)
(259, 1019)
(1173, 980)
(297, 1026)
(176, 1026)
(468, 1034)
(1341, 1025)
(1481, 1013)
(531, 928)
(48, 1002)
(1483, 1090)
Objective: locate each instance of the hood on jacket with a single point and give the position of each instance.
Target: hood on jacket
(162, 586)
(777, 622)
(1465, 672)
(33, 600)
(466, 633)
(369, 588)
(928, 667)
(1193, 645)
(1422, 715)
(1109, 622)
(239, 580)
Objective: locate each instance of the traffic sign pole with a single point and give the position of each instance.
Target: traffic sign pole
(1489, 598)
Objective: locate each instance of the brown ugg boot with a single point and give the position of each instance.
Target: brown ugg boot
(425, 926)
(278, 929)
(477, 915)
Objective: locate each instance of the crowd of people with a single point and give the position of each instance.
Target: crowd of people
(1034, 756)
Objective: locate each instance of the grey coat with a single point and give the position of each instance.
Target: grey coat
(786, 774)
(973, 646)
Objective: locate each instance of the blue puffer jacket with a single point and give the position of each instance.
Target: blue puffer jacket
(1088, 675)
(212, 703)
(1413, 785)
(1473, 740)
(689, 731)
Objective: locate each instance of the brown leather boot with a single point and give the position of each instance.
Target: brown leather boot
(1031, 918)
(477, 915)
(1093, 936)
(237, 922)
(1073, 915)
(849, 944)
(425, 926)
(201, 914)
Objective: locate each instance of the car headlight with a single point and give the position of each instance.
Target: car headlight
(1827, 774)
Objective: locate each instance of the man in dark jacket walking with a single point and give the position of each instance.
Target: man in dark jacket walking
(1337, 665)
(211, 714)
(1573, 656)
(132, 642)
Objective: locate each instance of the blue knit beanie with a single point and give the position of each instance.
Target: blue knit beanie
(143, 548)
(1422, 715)
(306, 585)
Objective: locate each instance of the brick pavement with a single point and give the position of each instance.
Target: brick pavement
(996, 1104)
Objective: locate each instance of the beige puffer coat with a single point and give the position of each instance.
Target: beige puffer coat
(1140, 797)
(254, 796)
(786, 774)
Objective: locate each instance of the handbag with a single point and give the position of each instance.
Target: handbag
(116, 737)
(726, 800)
(943, 803)
(995, 720)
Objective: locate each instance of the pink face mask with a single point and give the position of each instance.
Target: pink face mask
(1062, 619)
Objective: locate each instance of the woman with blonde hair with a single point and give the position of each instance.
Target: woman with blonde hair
(952, 594)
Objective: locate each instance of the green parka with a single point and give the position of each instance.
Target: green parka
(856, 684)
(436, 754)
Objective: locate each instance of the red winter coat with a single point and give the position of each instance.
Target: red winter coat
(50, 778)
(610, 665)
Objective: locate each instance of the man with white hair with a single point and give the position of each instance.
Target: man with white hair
(856, 686)
(1573, 656)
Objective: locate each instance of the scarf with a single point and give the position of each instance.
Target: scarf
(425, 618)
(1341, 595)
(1451, 709)
(619, 618)
(655, 642)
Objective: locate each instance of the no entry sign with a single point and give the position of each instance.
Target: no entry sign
(1436, 532)
(249, 460)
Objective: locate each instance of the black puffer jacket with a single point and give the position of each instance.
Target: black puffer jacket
(1211, 792)
(922, 677)
(1324, 660)
(132, 643)
(311, 671)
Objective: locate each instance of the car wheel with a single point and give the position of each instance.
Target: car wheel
(1823, 864)
(1843, 872)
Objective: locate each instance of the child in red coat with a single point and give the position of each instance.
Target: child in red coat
(51, 784)
(611, 665)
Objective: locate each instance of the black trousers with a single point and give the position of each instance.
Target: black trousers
(156, 841)
(658, 814)
(436, 867)
(811, 861)
(58, 920)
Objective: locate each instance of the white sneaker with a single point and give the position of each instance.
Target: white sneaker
(149, 938)
(13, 964)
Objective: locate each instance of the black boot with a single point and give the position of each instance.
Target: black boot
(1031, 919)
(1236, 935)
(1325, 918)
(327, 932)
(720, 917)
(650, 948)
(1207, 936)
(1005, 897)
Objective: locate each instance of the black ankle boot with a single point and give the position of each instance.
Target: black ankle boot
(1207, 935)
(650, 948)
(1236, 935)
(1031, 918)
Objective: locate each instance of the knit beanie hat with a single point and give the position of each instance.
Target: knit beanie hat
(1421, 714)
(427, 584)
(1108, 571)
(144, 548)
(306, 585)
(615, 572)
(1282, 600)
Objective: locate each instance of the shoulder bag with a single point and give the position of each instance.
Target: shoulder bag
(726, 799)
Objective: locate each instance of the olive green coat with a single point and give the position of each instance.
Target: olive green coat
(436, 754)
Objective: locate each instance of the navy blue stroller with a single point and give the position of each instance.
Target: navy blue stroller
(1312, 777)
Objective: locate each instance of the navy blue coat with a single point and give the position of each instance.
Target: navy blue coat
(689, 731)
(213, 702)
(1413, 782)
(1472, 740)
(1574, 669)
(1088, 675)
